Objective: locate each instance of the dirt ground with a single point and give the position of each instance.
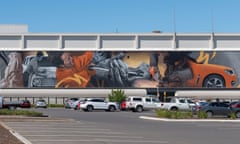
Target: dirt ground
(7, 138)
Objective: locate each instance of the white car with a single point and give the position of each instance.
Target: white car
(90, 104)
(41, 104)
(174, 104)
(139, 104)
(72, 103)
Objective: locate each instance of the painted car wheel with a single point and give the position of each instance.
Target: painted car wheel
(214, 81)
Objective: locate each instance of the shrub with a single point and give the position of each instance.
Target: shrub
(174, 114)
(117, 96)
(232, 116)
(56, 105)
(202, 115)
(20, 112)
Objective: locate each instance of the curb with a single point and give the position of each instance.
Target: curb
(187, 120)
(17, 135)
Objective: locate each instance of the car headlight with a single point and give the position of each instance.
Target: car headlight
(229, 72)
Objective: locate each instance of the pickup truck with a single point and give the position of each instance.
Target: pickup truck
(139, 104)
(14, 104)
(175, 104)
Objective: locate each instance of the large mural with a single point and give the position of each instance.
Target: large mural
(119, 69)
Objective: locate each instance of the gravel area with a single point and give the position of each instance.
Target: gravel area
(7, 138)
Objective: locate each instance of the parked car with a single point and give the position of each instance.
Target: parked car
(200, 104)
(139, 104)
(41, 104)
(221, 109)
(235, 104)
(124, 106)
(72, 103)
(25, 104)
(14, 104)
(174, 104)
(90, 104)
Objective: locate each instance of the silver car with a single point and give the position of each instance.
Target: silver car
(41, 104)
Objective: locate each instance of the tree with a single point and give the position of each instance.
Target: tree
(117, 95)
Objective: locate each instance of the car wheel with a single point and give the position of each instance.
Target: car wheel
(112, 108)
(214, 81)
(174, 109)
(139, 109)
(209, 114)
(89, 108)
(237, 114)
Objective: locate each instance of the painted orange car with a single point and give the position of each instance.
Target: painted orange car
(210, 75)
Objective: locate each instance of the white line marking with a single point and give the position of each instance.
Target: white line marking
(86, 132)
(187, 120)
(74, 129)
(100, 140)
(17, 135)
(100, 136)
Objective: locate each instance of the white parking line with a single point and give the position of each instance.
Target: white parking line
(101, 140)
(84, 135)
(74, 129)
(85, 132)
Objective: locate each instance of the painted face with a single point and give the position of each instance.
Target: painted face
(67, 59)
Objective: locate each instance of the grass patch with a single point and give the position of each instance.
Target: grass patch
(202, 115)
(51, 105)
(21, 112)
(232, 116)
(56, 105)
(174, 114)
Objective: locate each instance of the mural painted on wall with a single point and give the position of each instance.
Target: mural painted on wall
(118, 69)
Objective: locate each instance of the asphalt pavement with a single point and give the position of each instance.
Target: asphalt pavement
(101, 127)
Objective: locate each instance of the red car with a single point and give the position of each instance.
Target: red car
(25, 104)
(235, 104)
(124, 105)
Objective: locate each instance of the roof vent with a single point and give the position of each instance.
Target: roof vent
(156, 31)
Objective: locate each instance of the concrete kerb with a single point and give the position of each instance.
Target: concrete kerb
(188, 120)
(17, 135)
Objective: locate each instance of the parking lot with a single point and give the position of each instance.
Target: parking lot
(100, 127)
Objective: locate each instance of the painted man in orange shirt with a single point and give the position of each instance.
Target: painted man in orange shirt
(74, 72)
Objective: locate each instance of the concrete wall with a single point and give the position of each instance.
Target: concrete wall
(120, 41)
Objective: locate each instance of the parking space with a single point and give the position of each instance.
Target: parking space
(67, 126)
(75, 132)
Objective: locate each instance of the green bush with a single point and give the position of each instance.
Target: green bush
(20, 112)
(56, 105)
(202, 115)
(117, 96)
(232, 116)
(174, 114)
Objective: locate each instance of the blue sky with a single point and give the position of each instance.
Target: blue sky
(124, 16)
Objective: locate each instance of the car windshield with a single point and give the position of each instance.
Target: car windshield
(44, 61)
(155, 100)
(41, 100)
